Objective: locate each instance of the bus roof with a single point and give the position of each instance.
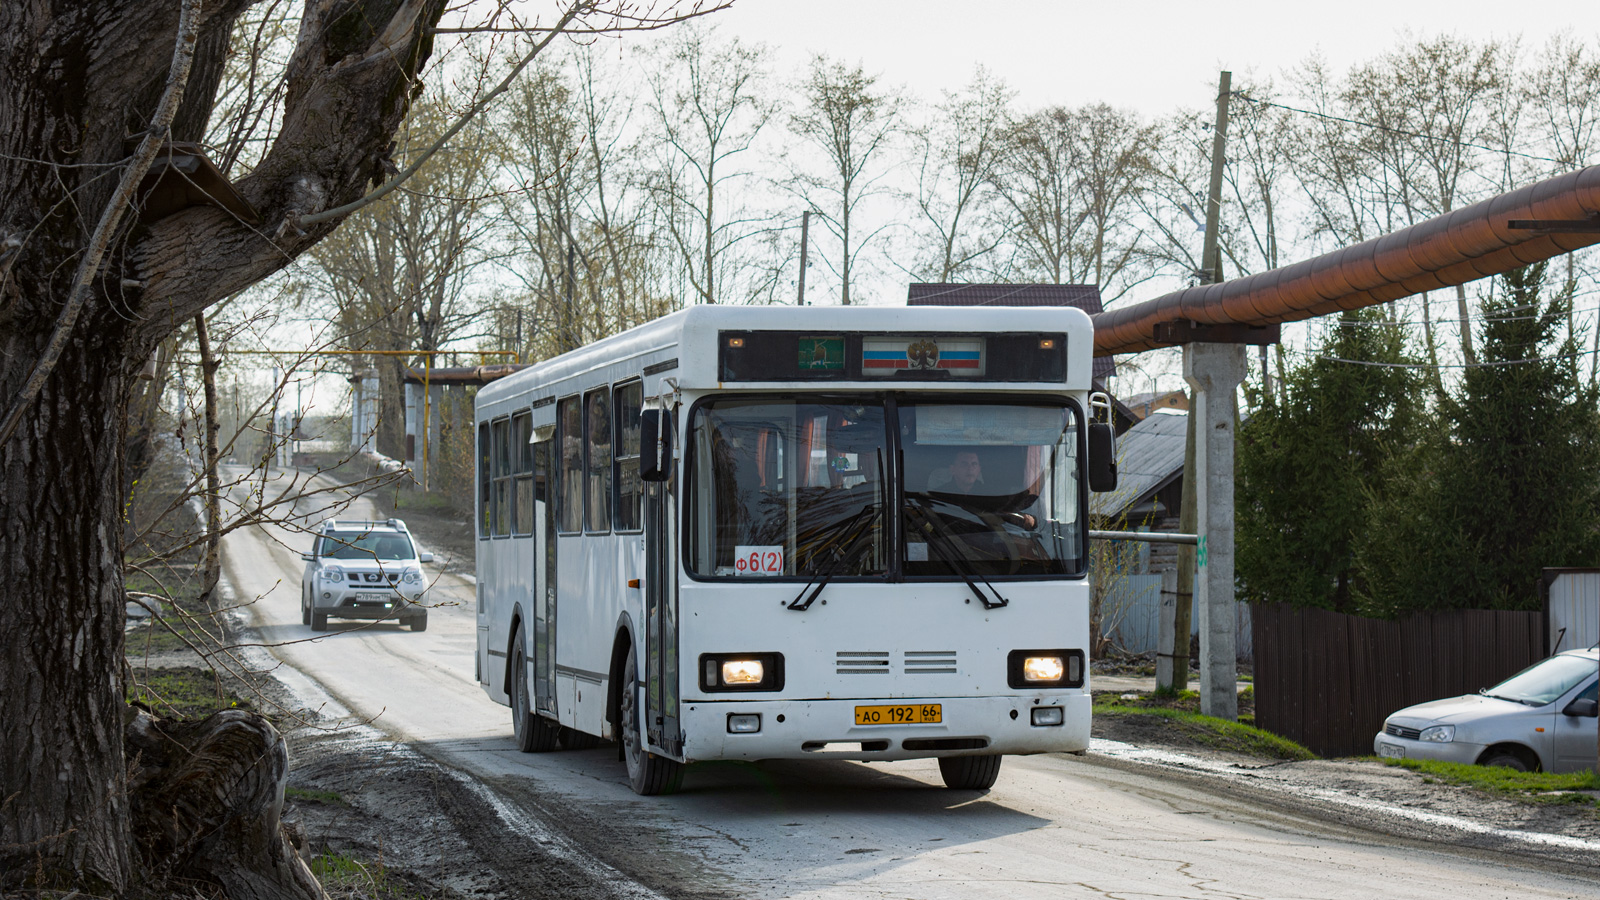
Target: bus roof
(689, 336)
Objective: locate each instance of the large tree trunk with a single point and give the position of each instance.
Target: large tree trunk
(63, 798)
(76, 79)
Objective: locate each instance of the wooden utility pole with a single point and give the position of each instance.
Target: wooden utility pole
(1210, 255)
(805, 227)
(1188, 517)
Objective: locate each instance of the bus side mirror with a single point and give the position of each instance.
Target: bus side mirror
(655, 443)
(1102, 457)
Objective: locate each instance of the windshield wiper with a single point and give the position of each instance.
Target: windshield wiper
(1521, 700)
(856, 528)
(955, 560)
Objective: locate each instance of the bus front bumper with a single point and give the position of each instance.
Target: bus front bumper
(827, 729)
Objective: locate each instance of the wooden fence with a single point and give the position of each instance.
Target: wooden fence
(1328, 680)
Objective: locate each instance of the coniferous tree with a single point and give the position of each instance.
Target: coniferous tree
(1510, 482)
(1309, 462)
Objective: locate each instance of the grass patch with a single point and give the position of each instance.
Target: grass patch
(185, 692)
(1543, 787)
(315, 796)
(345, 876)
(1219, 734)
(184, 622)
(423, 501)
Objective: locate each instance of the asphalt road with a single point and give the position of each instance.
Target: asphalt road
(1054, 826)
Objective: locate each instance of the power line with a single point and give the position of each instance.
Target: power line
(1457, 320)
(1480, 365)
(1400, 131)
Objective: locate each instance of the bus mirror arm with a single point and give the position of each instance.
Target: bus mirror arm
(655, 443)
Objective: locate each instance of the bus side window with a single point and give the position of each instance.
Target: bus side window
(502, 477)
(629, 488)
(597, 449)
(483, 480)
(569, 484)
(522, 472)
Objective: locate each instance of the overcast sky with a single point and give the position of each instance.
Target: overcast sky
(1151, 57)
(1154, 57)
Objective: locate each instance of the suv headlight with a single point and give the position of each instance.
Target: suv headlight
(1438, 734)
(412, 576)
(332, 573)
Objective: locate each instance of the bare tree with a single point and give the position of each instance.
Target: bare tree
(1072, 179)
(1404, 138)
(398, 274)
(847, 117)
(1562, 99)
(710, 106)
(94, 274)
(957, 153)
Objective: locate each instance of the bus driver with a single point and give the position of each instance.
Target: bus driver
(965, 476)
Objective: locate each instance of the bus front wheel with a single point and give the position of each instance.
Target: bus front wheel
(969, 773)
(648, 773)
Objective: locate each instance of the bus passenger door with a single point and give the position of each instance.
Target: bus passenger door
(661, 617)
(544, 582)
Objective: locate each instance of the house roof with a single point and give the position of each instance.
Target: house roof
(1149, 457)
(1083, 296)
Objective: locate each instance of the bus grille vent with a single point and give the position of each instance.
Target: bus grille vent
(862, 662)
(931, 662)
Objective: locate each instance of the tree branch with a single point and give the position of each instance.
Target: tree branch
(111, 216)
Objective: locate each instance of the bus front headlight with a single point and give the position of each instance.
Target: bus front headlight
(1051, 668)
(1043, 668)
(742, 672)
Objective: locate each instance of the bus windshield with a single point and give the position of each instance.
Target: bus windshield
(799, 488)
(990, 489)
(783, 487)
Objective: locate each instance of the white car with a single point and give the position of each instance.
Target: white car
(1540, 719)
(363, 570)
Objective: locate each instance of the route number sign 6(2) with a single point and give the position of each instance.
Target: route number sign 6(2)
(750, 559)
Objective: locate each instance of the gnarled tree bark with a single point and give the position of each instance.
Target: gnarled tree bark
(76, 79)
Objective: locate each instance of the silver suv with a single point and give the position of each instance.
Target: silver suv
(363, 570)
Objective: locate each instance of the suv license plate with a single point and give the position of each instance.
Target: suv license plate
(916, 714)
(373, 598)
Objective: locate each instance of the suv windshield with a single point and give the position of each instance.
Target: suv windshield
(781, 487)
(1544, 682)
(364, 545)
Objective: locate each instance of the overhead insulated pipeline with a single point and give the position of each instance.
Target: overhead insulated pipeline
(1461, 246)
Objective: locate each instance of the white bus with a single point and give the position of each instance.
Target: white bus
(778, 532)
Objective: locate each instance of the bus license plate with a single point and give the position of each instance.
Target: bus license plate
(919, 714)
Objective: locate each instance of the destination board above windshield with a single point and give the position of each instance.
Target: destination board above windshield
(812, 356)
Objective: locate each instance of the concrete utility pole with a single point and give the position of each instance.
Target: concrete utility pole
(1172, 660)
(1214, 371)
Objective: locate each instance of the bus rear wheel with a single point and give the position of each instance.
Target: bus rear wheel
(969, 773)
(648, 773)
(535, 733)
